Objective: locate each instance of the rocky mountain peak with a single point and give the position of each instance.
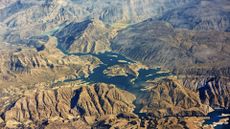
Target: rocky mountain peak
(87, 36)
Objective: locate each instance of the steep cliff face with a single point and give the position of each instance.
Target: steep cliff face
(216, 92)
(213, 90)
(68, 104)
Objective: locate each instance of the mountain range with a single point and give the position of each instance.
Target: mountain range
(114, 64)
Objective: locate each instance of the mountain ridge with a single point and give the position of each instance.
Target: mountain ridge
(114, 64)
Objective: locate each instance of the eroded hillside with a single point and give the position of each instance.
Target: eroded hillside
(114, 64)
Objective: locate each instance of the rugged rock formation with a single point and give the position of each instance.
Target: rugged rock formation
(170, 97)
(41, 106)
(68, 104)
(84, 37)
(44, 85)
(213, 90)
(102, 100)
(216, 92)
(23, 68)
(105, 106)
(198, 52)
(26, 59)
(23, 62)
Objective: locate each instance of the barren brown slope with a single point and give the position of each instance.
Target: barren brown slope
(90, 36)
(68, 104)
(157, 43)
(195, 56)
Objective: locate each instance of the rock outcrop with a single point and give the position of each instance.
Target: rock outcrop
(171, 98)
(23, 68)
(215, 92)
(40, 106)
(23, 62)
(102, 100)
(28, 59)
(68, 104)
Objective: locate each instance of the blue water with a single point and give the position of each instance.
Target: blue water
(124, 82)
(215, 116)
(109, 59)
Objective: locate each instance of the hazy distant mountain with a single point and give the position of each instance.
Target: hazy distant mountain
(158, 43)
(22, 16)
(19, 17)
(203, 15)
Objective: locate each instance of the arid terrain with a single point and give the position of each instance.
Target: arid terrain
(101, 64)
